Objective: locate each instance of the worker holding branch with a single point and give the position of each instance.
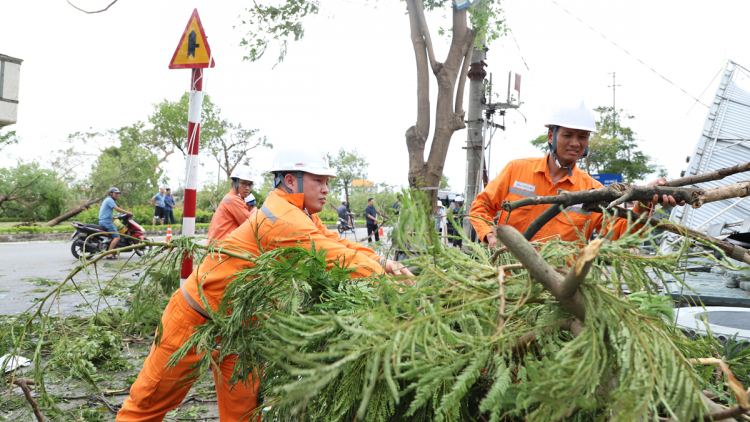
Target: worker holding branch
(568, 136)
(288, 218)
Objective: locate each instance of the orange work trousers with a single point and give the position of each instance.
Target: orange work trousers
(160, 388)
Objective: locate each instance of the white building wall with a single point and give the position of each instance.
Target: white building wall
(10, 78)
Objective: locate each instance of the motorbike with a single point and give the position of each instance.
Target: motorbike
(93, 238)
(348, 224)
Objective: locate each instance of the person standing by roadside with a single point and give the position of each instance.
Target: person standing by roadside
(158, 202)
(105, 217)
(168, 206)
(371, 214)
(232, 210)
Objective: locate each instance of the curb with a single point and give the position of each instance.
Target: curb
(37, 237)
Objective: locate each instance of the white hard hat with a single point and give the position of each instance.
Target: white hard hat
(573, 116)
(244, 173)
(307, 160)
(250, 198)
(459, 198)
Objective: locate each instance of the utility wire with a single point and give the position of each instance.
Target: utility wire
(704, 91)
(629, 54)
(519, 51)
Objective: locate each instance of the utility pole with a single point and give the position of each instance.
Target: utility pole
(475, 140)
(613, 86)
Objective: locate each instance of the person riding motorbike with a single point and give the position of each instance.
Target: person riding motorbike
(105, 217)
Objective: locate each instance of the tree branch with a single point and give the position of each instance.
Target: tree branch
(546, 275)
(692, 196)
(23, 383)
(459, 108)
(735, 252)
(708, 177)
(426, 35)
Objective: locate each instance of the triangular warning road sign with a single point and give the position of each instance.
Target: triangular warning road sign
(193, 51)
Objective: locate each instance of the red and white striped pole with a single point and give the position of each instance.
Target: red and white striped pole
(191, 168)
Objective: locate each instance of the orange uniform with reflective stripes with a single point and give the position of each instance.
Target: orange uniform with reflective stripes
(529, 177)
(230, 214)
(279, 223)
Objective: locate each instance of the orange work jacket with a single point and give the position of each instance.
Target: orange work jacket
(529, 177)
(280, 222)
(232, 212)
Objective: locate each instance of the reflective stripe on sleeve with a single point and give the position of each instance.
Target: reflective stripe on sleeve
(268, 214)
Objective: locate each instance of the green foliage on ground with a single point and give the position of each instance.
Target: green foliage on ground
(143, 215)
(442, 349)
(66, 228)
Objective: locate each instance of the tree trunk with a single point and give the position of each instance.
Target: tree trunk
(85, 205)
(346, 191)
(448, 117)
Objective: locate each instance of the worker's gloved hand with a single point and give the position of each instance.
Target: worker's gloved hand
(666, 200)
(491, 240)
(396, 268)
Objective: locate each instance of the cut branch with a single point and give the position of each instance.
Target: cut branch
(24, 384)
(544, 273)
(708, 177)
(692, 196)
(736, 252)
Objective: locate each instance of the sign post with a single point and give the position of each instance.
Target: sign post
(192, 53)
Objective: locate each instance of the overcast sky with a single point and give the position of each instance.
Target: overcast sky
(351, 81)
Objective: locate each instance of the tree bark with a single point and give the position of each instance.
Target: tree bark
(708, 177)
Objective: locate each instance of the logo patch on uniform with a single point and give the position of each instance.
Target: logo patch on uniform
(524, 186)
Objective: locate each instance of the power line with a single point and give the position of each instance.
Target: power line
(629, 54)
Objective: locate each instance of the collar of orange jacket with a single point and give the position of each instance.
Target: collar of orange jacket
(543, 167)
(296, 199)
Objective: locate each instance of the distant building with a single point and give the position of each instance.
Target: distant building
(366, 184)
(10, 76)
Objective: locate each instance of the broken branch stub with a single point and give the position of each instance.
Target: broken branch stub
(564, 289)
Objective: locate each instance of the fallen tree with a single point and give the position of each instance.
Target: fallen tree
(535, 333)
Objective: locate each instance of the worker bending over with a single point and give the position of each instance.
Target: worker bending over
(568, 138)
(232, 210)
(287, 218)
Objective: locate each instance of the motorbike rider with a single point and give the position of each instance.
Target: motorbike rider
(232, 210)
(344, 214)
(105, 217)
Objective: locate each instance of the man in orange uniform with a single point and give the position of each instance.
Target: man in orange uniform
(232, 210)
(568, 138)
(288, 217)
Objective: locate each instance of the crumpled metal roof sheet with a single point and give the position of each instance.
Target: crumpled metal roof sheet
(724, 142)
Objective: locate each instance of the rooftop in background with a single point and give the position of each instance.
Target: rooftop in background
(10, 75)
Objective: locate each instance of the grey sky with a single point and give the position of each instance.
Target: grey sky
(351, 82)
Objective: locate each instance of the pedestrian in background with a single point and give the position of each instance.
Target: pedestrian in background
(168, 206)
(158, 202)
(371, 214)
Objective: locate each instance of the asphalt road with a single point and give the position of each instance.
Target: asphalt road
(30, 270)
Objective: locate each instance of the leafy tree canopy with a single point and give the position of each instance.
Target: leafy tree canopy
(349, 166)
